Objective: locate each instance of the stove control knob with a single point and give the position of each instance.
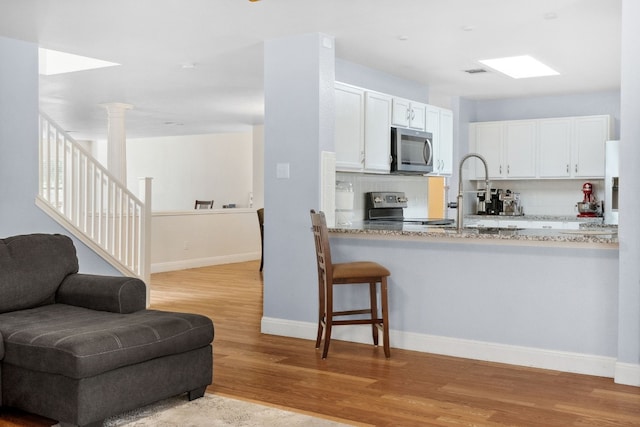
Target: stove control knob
(377, 199)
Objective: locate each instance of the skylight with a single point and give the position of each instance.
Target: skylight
(520, 67)
(54, 62)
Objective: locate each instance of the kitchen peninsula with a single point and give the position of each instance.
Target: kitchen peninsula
(542, 298)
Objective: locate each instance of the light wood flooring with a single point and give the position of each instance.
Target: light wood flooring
(356, 384)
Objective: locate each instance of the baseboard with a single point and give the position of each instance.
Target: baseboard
(478, 350)
(203, 262)
(627, 373)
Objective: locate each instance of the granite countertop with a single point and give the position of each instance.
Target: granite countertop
(563, 218)
(589, 234)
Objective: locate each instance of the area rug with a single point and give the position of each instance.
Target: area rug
(214, 410)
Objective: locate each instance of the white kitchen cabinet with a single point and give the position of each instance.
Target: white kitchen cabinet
(573, 147)
(508, 147)
(439, 122)
(520, 149)
(409, 114)
(349, 128)
(570, 147)
(487, 139)
(377, 135)
(554, 148)
(590, 134)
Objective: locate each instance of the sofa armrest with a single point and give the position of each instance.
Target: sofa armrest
(104, 293)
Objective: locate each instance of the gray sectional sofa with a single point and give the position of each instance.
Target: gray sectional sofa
(79, 348)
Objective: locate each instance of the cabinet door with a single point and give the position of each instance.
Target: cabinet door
(401, 113)
(432, 125)
(590, 134)
(489, 144)
(445, 145)
(440, 124)
(554, 148)
(349, 128)
(377, 134)
(520, 149)
(417, 116)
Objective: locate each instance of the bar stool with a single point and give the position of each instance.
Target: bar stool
(348, 273)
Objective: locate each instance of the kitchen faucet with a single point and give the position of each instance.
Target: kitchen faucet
(459, 213)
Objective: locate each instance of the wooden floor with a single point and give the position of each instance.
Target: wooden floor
(358, 385)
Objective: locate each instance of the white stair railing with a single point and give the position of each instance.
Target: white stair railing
(91, 203)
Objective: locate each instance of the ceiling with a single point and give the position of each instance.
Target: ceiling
(223, 39)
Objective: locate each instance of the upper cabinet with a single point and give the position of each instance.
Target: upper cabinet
(377, 125)
(363, 129)
(439, 122)
(569, 147)
(349, 128)
(409, 114)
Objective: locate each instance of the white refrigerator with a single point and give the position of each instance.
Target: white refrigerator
(611, 178)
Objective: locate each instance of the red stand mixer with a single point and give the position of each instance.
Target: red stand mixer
(590, 206)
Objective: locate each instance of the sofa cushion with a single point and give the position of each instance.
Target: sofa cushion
(79, 342)
(32, 267)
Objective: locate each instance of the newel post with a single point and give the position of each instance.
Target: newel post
(144, 191)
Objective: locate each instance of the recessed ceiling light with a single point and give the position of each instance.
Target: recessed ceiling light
(403, 38)
(55, 62)
(520, 67)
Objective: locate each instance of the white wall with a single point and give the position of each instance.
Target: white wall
(186, 168)
(199, 238)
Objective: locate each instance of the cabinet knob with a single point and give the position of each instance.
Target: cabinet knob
(567, 167)
(576, 168)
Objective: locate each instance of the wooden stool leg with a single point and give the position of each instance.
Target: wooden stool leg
(328, 318)
(327, 337)
(385, 316)
(322, 313)
(374, 311)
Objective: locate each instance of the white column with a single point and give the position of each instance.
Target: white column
(117, 140)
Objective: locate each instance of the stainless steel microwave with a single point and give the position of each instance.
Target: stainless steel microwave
(411, 151)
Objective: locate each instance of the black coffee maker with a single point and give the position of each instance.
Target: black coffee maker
(493, 206)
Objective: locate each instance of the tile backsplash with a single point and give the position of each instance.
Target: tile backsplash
(550, 197)
(539, 197)
(415, 188)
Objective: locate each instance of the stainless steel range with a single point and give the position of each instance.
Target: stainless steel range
(388, 206)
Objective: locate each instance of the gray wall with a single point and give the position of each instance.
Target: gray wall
(583, 104)
(19, 151)
(359, 75)
(629, 228)
(299, 111)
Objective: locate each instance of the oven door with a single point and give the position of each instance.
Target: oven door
(411, 151)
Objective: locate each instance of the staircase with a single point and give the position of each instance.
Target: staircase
(81, 195)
